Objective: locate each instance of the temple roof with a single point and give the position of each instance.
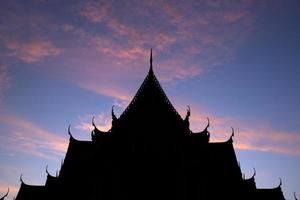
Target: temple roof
(272, 193)
(150, 95)
(33, 192)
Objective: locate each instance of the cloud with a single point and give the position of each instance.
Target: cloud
(25, 136)
(5, 80)
(232, 17)
(94, 11)
(110, 91)
(179, 32)
(259, 138)
(188, 40)
(33, 51)
(12, 189)
(102, 121)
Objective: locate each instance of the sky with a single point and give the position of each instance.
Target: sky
(235, 62)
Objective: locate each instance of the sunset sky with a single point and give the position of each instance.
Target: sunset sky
(236, 62)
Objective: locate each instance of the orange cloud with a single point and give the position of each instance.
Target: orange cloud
(12, 189)
(33, 51)
(27, 137)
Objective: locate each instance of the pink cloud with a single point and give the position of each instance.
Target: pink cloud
(33, 51)
(232, 17)
(68, 27)
(173, 70)
(27, 137)
(125, 53)
(102, 121)
(94, 11)
(110, 91)
(174, 14)
(258, 138)
(201, 35)
(121, 28)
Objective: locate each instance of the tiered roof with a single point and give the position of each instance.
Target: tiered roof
(149, 151)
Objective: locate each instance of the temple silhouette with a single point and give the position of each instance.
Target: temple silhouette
(149, 153)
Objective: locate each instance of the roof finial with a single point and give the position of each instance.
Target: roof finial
(5, 194)
(151, 60)
(47, 172)
(112, 113)
(188, 113)
(69, 131)
(280, 183)
(21, 178)
(207, 124)
(254, 173)
(93, 122)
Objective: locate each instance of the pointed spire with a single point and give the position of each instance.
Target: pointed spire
(151, 62)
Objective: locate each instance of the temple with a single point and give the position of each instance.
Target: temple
(149, 153)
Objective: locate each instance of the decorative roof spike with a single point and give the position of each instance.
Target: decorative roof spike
(2, 198)
(21, 178)
(232, 135)
(295, 196)
(96, 130)
(280, 183)
(47, 172)
(69, 132)
(93, 121)
(112, 113)
(151, 61)
(254, 173)
(207, 124)
(188, 113)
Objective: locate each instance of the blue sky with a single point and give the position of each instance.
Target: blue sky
(236, 62)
